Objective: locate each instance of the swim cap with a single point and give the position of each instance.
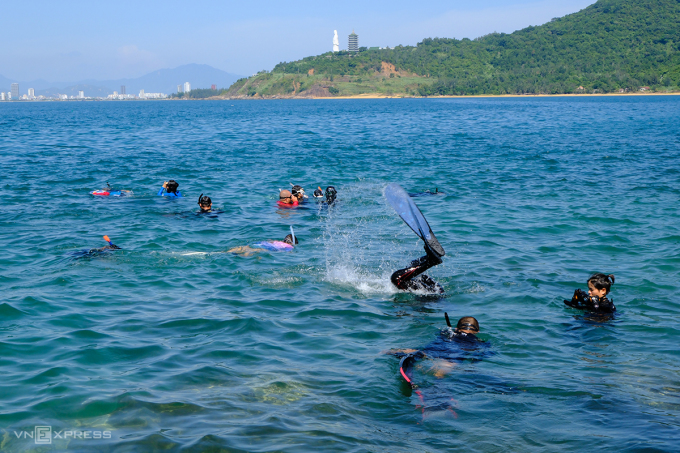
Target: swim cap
(468, 323)
(172, 186)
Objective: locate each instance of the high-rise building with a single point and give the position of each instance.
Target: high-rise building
(353, 42)
(213, 87)
(336, 41)
(179, 89)
(2, 96)
(81, 95)
(31, 93)
(15, 90)
(187, 87)
(122, 89)
(141, 94)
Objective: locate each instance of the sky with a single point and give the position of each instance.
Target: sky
(72, 40)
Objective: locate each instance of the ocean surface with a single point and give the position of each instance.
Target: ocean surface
(174, 344)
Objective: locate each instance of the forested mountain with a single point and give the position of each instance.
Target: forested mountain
(610, 46)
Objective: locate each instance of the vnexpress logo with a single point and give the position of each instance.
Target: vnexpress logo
(43, 435)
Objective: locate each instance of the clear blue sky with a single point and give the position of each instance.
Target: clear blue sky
(70, 40)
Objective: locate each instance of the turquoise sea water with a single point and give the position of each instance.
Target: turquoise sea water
(173, 345)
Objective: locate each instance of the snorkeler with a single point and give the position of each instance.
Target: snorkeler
(205, 203)
(287, 245)
(318, 193)
(292, 197)
(109, 191)
(412, 277)
(98, 251)
(169, 189)
(451, 346)
(427, 192)
(330, 194)
(595, 300)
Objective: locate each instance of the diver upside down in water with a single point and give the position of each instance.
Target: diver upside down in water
(412, 277)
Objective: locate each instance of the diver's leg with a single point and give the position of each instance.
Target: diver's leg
(402, 277)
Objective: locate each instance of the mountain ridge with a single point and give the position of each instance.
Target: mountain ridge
(609, 46)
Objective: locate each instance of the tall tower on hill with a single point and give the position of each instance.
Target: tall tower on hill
(353, 42)
(336, 42)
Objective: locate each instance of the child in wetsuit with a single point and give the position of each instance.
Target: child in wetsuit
(595, 300)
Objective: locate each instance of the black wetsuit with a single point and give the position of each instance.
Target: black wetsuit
(411, 278)
(458, 346)
(593, 304)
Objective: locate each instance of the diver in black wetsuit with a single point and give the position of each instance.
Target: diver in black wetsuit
(98, 251)
(330, 194)
(412, 277)
(205, 203)
(452, 345)
(595, 300)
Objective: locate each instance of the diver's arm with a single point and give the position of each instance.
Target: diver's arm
(160, 192)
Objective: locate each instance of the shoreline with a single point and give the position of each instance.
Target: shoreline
(383, 96)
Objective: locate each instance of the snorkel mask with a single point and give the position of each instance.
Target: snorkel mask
(298, 191)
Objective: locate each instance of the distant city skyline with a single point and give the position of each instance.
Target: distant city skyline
(231, 36)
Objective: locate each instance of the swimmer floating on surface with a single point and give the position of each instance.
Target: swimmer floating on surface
(412, 277)
(452, 345)
(99, 251)
(287, 245)
(109, 191)
(595, 300)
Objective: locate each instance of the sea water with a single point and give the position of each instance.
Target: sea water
(172, 344)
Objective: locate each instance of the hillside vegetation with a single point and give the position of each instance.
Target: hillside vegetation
(611, 46)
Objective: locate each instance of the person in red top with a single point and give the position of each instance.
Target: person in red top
(291, 198)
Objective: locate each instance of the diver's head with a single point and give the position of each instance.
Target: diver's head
(205, 202)
(331, 193)
(318, 193)
(467, 324)
(600, 284)
(285, 196)
(171, 186)
(289, 239)
(298, 192)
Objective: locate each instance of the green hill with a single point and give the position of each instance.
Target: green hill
(611, 46)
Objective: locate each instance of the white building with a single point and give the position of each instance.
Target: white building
(81, 95)
(179, 89)
(63, 96)
(187, 87)
(9, 96)
(31, 93)
(141, 94)
(336, 42)
(2, 96)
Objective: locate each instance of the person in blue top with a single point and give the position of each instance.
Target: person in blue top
(169, 189)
